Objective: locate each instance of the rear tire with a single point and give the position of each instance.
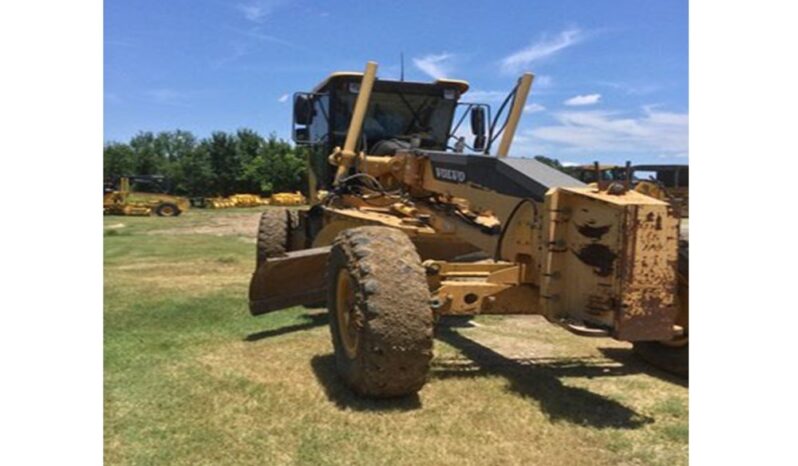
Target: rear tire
(673, 356)
(167, 209)
(273, 230)
(380, 317)
(673, 359)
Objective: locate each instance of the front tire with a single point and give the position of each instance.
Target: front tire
(380, 317)
(167, 209)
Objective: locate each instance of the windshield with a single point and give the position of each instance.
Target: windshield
(392, 115)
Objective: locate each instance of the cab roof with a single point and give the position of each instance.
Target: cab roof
(461, 86)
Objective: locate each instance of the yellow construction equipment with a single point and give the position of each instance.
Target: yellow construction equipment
(287, 199)
(219, 203)
(413, 229)
(123, 201)
(236, 200)
(253, 200)
(667, 182)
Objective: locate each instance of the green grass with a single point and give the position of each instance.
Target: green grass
(192, 378)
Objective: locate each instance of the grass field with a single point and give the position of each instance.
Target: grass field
(191, 378)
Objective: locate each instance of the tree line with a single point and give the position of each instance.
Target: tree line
(219, 165)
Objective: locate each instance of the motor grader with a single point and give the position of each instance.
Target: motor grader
(120, 199)
(413, 228)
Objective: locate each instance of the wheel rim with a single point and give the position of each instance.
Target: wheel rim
(167, 210)
(345, 313)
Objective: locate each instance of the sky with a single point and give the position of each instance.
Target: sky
(611, 76)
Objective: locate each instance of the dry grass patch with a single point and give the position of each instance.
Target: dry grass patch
(203, 276)
(227, 225)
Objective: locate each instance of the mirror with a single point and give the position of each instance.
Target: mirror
(302, 135)
(478, 126)
(479, 142)
(303, 109)
(477, 120)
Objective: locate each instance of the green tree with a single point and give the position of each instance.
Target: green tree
(285, 167)
(224, 162)
(118, 160)
(173, 145)
(149, 153)
(248, 147)
(553, 163)
(193, 175)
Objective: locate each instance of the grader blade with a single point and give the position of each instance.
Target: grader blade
(296, 279)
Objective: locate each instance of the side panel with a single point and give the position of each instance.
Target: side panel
(648, 275)
(610, 263)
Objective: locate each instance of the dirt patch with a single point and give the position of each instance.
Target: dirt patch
(245, 225)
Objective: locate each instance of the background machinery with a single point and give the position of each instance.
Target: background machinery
(253, 200)
(661, 181)
(120, 199)
(412, 228)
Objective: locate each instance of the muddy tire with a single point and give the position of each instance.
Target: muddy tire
(273, 231)
(673, 359)
(167, 209)
(380, 317)
(673, 356)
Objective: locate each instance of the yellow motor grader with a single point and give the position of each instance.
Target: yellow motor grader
(412, 228)
(120, 199)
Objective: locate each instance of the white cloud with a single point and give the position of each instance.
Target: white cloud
(640, 89)
(489, 96)
(436, 65)
(587, 99)
(542, 81)
(541, 49)
(533, 108)
(663, 133)
(255, 33)
(283, 98)
(258, 10)
(252, 12)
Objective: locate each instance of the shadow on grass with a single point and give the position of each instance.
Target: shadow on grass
(344, 398)
(632, 364)
(540, 380)
(312, 321)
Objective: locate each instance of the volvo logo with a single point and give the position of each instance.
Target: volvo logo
(450, 174)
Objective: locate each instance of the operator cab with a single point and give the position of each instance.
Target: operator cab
(400, 114)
